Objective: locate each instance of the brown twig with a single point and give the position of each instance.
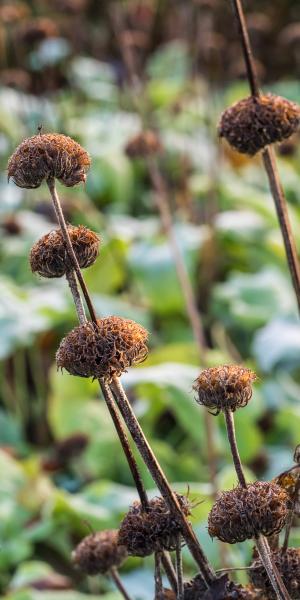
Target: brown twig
(118, 583)
(179, 571)
(271, 569)
(229, 420)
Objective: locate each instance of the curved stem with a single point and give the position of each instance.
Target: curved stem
(119, 585)
(273, 574)
(71, 278)
(229, 419)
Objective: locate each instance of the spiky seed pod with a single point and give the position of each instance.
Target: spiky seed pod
(99, 552)
(288, 565)
(225, 387)
(243, 513)
(49, 256)
(146, 143)
(48, 155)
(143, 533)
(254, 123)
(103, 350)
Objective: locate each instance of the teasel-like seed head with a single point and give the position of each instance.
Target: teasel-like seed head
(48, 155)
(144, 532)
(49, 256)
(146, 143)
(288, 565)
(244, 513)
(254, 123)
(103, 350)
(226, 387)
(221, 588)
(99, 552)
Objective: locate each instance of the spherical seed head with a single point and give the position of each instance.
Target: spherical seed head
(145, 143)
(48, 155)
(254, 123)
(49, 256)
(143, 533)
(103, 350)
(288, 565)
(243, 513)
(225, 387)
(99, 552)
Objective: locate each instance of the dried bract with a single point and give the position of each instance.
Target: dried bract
(143, 533)
(226, 387)
(146, 143)
(99, 552)
(49, 256)
(254, 123)
(103, 350)
(288, 565)
(243, 513)
(48, 155)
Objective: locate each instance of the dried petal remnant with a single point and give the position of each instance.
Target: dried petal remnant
(103, 350)
(225, 387)
(99, 552)
(48, 155)
(146, 143)
(254, 123)
(49, 256)
(243, 513)
(143, 533)
(288, 565)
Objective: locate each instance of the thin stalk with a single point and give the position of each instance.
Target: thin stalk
(179, 570)
(247, 50)
(273, 574)
(289, 522)
(119, 585)
(71, 278)
(229, 419)
(157, 577)
(169, 570)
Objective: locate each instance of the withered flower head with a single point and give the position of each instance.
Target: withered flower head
(99, 552)
(103, 350)
(221, 588)
(146, 143)
(225, 387)
(243, 513)
(254, 123)
(49, 256)
(288, 565)
(48, 155)
(143, 533)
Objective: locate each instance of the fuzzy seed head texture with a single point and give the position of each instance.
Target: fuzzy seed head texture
(288, 565)
(221, 589)
(254, 123)
(99, 552)
(146, 143)
(49, 257)
(244, 513)
(226, 387)
(103, 350)
(143, 533)
(45, 156)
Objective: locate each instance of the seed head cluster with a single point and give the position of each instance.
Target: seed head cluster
(254, 123)
(226, 387)
(99, 552)
(243, 513)
(49, 256)
(146, 143)
(48, 155)
(143, 533)
(103, 350)
(288, 565)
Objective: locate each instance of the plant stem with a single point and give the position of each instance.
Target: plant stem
(71, 278)
(271, 569)
(169, 570)
(247, 50)
(229, 420)
(157, 577)
(119, 585)
(179, 571)
(290, 516)
(160, 479)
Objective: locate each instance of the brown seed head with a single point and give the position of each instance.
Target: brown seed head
(143, 144)
(49, 256)
(225, 387)
(103, 350)
(143, 533)
(221, 589)
(99, 552)
(243, 513)
(254, 123)
(48, 155)
(288, 565)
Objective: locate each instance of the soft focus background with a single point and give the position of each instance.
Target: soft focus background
(61, 468)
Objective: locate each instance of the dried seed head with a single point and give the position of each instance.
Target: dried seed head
(48, 155)
(99, 552)
(288, 565)
(221, 589)
(103, 350)
(243, 513)
(143, 533)
(143, 144)
(49, 256)
(254, 123)
(225, 387)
